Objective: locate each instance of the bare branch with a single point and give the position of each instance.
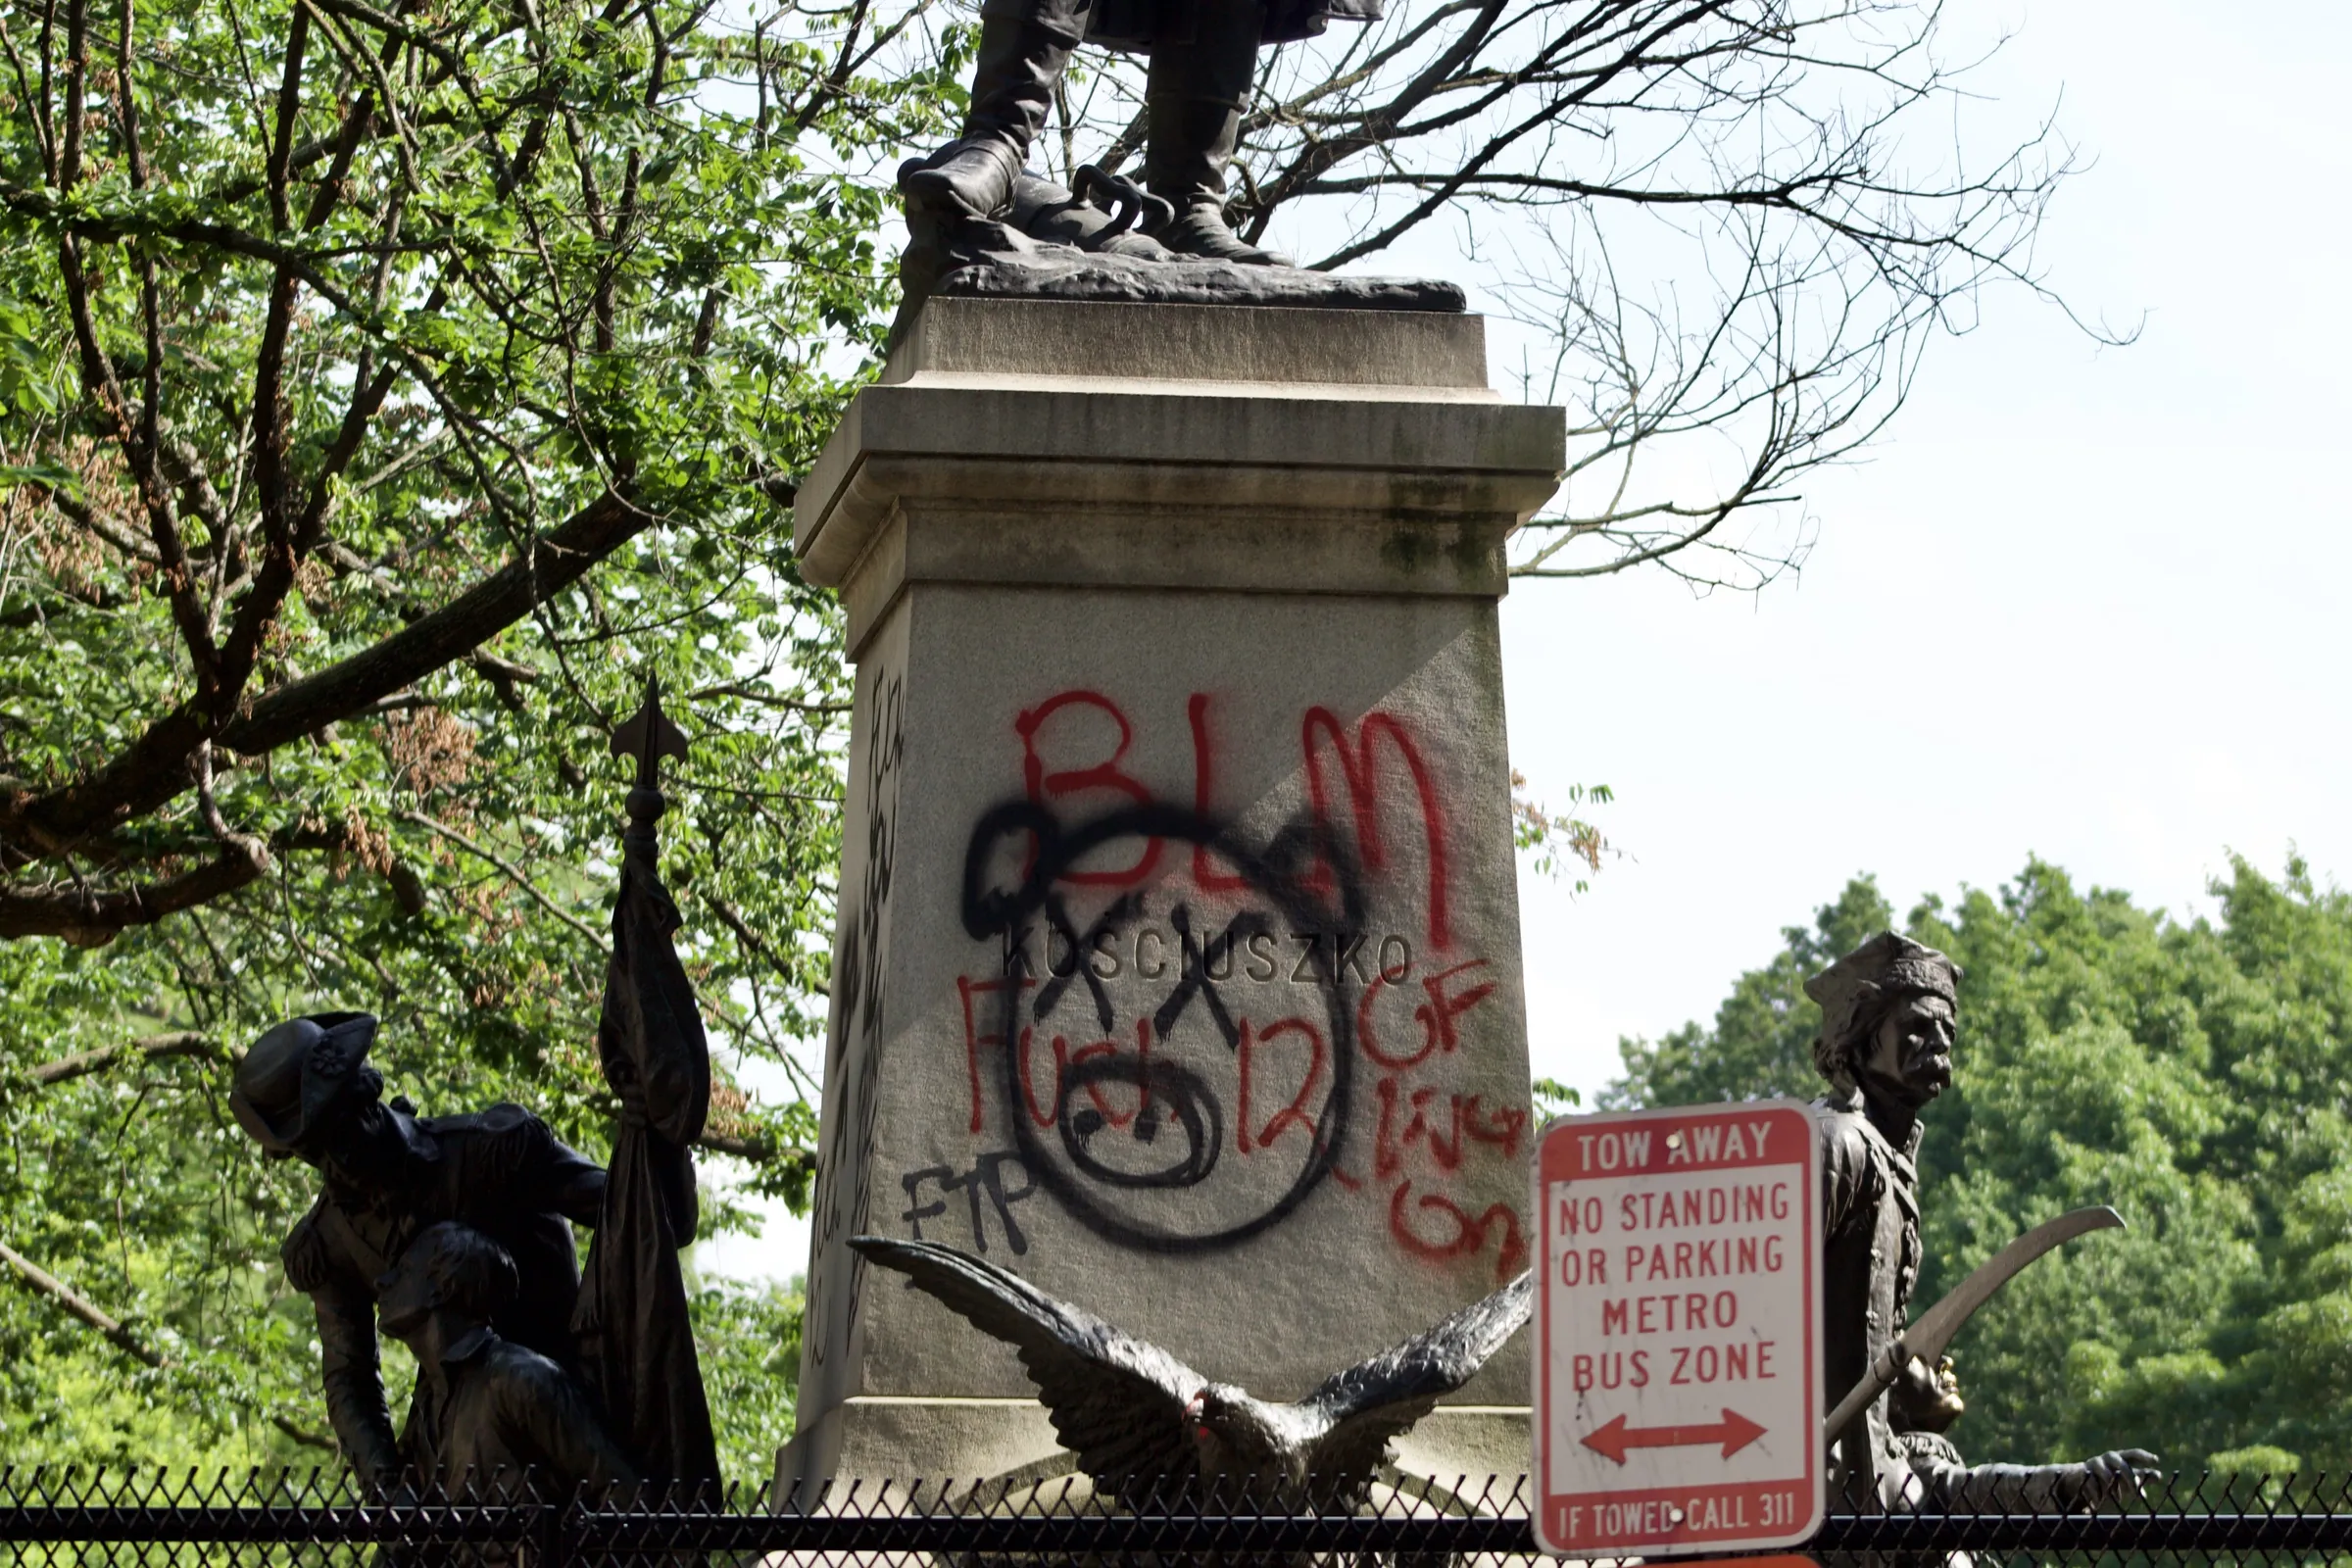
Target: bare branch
(766, 698)
(153, 769)
(207, 809)
(145, 1047)
(554, 562)
(757, 1151)
(304, 1435)
(88, 918)
(36, 100)
(100, 527)
(43, 1283)
(511, 871)
(78, 74)
(289, 106)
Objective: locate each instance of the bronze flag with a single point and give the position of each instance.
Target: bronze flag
(635, 1336)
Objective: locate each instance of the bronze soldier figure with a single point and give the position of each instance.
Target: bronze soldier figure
(305, 1090)
(1203, 55)
(1889, 1013)
(500, 1409)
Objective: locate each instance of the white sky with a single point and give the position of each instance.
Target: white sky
(2087, 604)
(2082, 603)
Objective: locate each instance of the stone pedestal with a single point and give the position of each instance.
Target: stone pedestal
(1178, 957)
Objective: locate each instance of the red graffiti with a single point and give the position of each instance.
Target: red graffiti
(1470, 1122)
(1365, 1035)
(1205, 874)
(1293, 1115)
(1468, 1235)
(1444, 1004)
(1077, 744)
(1436, 1016)
(1359, 770)
(1046, 1115)
(1357, 767)
(1503, 1128)
(1046, 786)
(973, 1039)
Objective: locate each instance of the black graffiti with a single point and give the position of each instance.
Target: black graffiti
(985, 1180)
(1196, 980)
(1107, 923)
(1162, 1084)
(857, 988)
(844, 1157)
(1282, 875)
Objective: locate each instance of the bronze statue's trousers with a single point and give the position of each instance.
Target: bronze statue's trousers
(1024, 46)
(1198, 82)
(1194, 98)
(1194, 95)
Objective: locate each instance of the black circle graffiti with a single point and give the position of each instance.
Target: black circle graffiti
(1188, 1097)
(1279, 874)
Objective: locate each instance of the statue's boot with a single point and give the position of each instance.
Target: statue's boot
(1023, 48)
(1194, 97)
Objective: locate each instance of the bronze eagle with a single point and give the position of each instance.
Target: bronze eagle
(1150, 1430)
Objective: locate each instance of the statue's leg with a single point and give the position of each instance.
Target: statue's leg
(1023, 46)
(1194, 97)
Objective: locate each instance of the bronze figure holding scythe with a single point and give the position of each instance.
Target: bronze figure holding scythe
(1889, 1013)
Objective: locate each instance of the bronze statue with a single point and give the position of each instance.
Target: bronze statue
(1888, 1017)
(1150, 1430)
(306, 1091)
(396, 1183)
(1203, 55)
(501, 1411)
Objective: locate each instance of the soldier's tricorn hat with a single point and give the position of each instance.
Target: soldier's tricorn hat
(296, 1073)
(1854, 990)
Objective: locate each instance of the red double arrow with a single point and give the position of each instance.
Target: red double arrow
(1735, 1432)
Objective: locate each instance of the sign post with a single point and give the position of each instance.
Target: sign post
(1677, 1304)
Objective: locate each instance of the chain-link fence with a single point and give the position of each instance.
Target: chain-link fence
(164, 1521)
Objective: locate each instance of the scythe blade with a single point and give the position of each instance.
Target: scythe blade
(1932, 1330)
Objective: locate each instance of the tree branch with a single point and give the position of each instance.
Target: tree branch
(78, 1305)
(302, 1434)
(759, 1151)
(105, 388)
(145, 1047)
(511, 872)
(154, 768)
(93, 919)
(129, 544)
(752, 693)
(556, 560)
(78, 72)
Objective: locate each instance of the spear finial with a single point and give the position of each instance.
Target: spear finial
(648, 736)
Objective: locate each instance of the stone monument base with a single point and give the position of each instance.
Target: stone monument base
(1177, 965)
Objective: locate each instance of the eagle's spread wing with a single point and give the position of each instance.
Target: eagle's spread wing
(1116, 1402)
(1366, 1409)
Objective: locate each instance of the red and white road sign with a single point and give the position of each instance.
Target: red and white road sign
(1678, 1369)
